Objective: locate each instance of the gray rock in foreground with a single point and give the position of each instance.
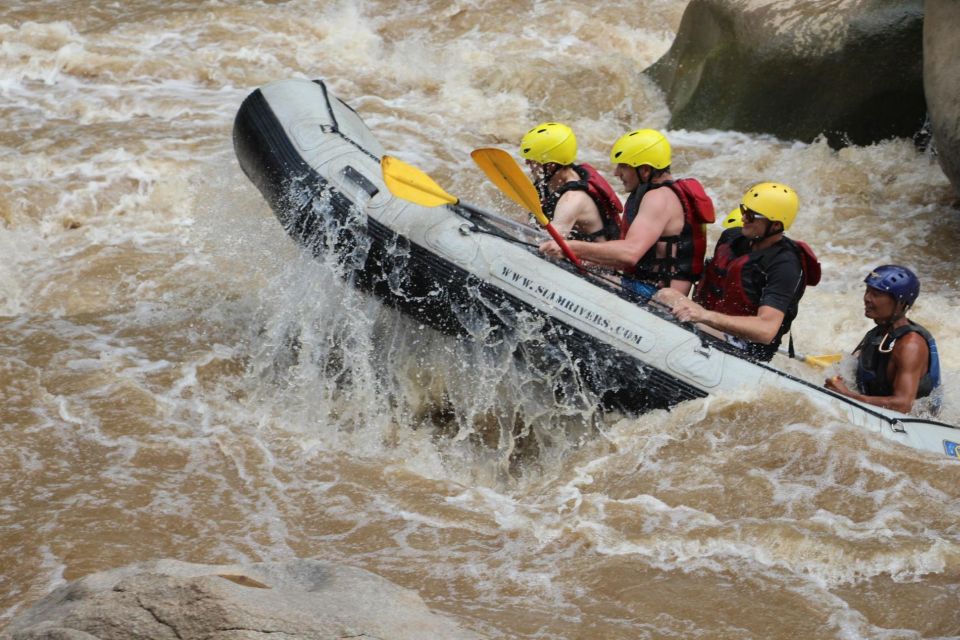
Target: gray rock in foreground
(941, 79)
(848, 69)
(292, 600)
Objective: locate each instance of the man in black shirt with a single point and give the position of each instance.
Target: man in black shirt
(753, 284)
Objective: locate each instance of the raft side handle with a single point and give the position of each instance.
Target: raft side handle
(360, 180)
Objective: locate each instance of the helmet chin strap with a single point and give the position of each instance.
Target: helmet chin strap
(542, 178)
(769, 232)
(547, 171)
(642, 185)
(899, 312)
(649, 181)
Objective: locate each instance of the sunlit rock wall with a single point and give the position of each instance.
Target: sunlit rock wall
(941, 81)
(849, 69)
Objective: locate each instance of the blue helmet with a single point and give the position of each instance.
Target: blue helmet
(898, 281)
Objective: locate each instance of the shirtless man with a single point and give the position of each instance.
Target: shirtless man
(664, 242)
(579, 202)
(898, 360)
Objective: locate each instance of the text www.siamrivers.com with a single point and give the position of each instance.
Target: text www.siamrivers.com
(569, 305)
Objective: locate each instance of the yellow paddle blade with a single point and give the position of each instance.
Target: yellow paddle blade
(407, 182)
(824, 360)
(504, 172)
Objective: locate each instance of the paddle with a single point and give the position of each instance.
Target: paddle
(407, 182)
(410, 183)
(822, 361)
(664, 299)
(504, 172)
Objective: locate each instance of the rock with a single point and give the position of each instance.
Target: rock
(852, 70)
(941, 82)
(302, 599)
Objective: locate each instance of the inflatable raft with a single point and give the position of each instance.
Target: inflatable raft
(465, 271)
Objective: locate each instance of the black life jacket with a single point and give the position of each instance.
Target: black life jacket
(602, 194)
(684, 253)
(876, 349)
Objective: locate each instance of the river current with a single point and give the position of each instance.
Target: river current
(180, 380)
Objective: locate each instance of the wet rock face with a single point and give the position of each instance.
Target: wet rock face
(941, 81)
(300, 599)
(849, 69)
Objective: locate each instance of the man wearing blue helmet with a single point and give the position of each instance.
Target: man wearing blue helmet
(898, 360)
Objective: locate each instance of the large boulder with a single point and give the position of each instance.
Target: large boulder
(849, 69)
(168, 599)
(941, 82)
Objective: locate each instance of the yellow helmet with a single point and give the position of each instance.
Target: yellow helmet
(774, 201)
(549, 142)
(733, 219)
(643, 146)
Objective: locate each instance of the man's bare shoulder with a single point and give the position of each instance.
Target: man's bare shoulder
(910, 346)
(660, 210)
(579, 199)
(661, 198)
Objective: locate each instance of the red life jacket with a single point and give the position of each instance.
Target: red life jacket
(684, 252)
(607, 201)
(722, 287)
